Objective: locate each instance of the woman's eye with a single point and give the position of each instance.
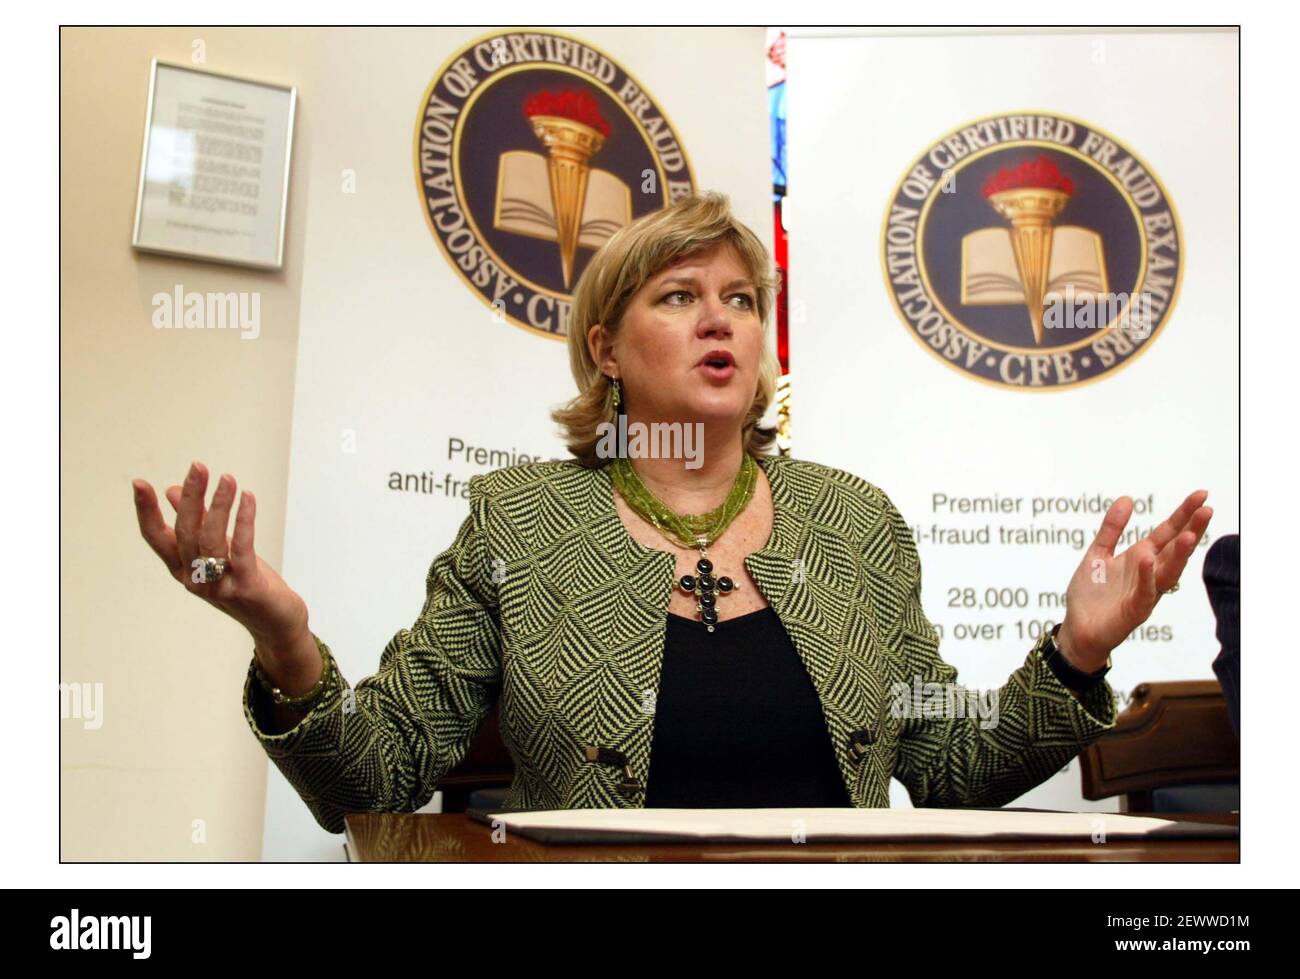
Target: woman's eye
(748, 304)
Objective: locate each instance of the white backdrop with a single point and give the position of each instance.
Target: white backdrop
(867, 397)
(397, 355)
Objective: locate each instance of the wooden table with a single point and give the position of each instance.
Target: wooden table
(455, 838)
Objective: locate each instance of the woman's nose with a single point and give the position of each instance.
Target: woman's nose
(715, 318)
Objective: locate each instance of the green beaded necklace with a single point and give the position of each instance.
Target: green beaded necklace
(691, 530)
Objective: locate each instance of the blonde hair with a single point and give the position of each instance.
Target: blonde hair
(631, 257)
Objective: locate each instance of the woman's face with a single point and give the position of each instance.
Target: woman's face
(690, 342)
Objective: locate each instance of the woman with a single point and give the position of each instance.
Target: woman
(759, 647)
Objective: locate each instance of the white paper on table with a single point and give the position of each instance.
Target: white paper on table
(840, 824)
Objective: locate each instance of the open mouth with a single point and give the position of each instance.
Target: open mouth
(718, 366)
(718, 360)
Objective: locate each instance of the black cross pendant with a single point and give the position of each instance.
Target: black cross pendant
(706, 589)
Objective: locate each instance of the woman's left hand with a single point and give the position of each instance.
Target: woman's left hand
(1110, 596)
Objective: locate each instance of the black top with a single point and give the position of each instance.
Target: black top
(738, 723)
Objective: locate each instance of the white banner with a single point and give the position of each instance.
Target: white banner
(435, 277)
(940, 187)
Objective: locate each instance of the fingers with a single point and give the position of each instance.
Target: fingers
(1172, 558)
(212, 536)
(200, 532)
(153, 528)
(1147, 583)
(189, 513)
(1112, 525)
(243, 559)
(1172, 527)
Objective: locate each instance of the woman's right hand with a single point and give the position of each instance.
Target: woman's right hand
(250, 591)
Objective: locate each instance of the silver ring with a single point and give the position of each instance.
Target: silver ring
(1173, 588)
(213, 569)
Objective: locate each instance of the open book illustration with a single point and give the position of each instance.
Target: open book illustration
(990, 276)
(524, 201)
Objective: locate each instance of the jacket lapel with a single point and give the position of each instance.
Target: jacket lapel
(802, 572)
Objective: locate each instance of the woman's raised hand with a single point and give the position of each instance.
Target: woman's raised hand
(250, 591)
(1112, 594)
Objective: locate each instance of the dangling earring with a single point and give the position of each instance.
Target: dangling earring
(618, 395)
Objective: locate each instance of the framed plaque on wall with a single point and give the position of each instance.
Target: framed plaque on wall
(214, 168)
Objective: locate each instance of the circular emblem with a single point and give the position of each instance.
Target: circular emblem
(1032, 251)
(531, 150)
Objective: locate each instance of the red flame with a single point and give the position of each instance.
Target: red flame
(572, 103)
(1031, 173)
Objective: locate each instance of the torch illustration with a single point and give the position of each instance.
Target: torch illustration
(570, 126)
(1030, 197)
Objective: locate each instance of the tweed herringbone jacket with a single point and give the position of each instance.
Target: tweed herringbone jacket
(545, 601)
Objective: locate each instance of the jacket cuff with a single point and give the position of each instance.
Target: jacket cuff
(258, 707)
(1092, 713)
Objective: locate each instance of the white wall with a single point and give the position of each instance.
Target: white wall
(173, 746)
